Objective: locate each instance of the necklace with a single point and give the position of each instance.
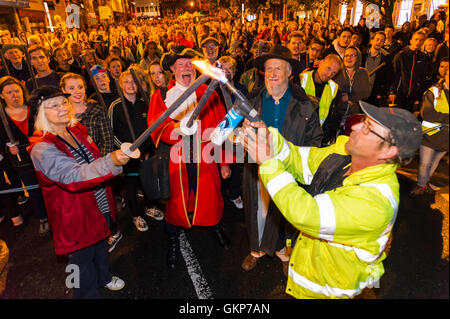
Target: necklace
(80, 151)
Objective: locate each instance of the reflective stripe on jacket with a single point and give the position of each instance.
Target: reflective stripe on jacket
(440, 105)
(329, 93)
(344, 232)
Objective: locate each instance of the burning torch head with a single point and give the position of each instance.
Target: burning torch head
(213, 72)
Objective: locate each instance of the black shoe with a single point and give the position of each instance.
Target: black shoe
(221, 237)
(172, 251)
(21, 199)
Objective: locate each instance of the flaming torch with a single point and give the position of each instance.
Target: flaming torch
(237, 113)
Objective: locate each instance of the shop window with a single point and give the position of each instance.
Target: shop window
(404, 13)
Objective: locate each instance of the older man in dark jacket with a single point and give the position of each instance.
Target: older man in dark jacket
(287, 107)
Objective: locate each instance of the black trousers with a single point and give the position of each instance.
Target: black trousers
(28, 178)
(233, 183)
(93, 265)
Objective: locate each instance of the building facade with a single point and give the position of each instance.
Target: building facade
(38, 15)
(404, 10)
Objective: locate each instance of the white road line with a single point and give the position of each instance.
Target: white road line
(193, 266)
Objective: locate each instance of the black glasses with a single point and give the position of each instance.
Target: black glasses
(366, 130)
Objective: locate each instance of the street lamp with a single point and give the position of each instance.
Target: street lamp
(191, 3)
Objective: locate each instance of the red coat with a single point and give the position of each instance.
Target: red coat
(72, 209)
(207, 203)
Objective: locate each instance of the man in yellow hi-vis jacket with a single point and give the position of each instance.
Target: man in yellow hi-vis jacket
(347, 213)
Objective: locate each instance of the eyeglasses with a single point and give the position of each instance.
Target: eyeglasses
(365, 129)
(56, 106)
(349, 55)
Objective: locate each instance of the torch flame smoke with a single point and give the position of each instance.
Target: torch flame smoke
(207, 69)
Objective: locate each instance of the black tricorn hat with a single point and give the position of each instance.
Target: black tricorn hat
(278, 52)
(178, 52)
(43, 93)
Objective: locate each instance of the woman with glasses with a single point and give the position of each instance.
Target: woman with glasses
(74, 179)
(20, 118)
(353, 80)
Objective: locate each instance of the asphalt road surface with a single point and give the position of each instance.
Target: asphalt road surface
(417, 266)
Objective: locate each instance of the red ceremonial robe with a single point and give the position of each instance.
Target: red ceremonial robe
(207, 202)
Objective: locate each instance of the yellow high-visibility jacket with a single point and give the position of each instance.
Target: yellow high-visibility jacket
(343, 232)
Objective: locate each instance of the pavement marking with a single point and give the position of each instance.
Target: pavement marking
(193, 266)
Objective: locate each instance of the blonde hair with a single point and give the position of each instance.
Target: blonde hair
(42, 124)
(70, 75)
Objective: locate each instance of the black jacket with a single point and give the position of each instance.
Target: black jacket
(383, 77)
(301, 127)
(137, 112)
(412, 71)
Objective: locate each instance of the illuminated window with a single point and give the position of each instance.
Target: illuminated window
(434, 5)
(404, 12)
(343, 12)
(358, 12)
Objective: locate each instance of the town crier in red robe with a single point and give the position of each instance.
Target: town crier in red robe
(196, 198)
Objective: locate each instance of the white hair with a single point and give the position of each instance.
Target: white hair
(42, 123)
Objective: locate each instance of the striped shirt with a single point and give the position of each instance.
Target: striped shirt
(99, 192)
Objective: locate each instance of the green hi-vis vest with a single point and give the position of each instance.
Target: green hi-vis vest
(344, 231)
(329, 93)
(440, 105)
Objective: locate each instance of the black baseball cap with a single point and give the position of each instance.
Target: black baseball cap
(403, 125)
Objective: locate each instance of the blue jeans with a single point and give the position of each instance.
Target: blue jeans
(429, 161)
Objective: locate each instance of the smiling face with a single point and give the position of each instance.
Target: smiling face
(276, 76)
(183, 71)
(76, 89)
(350, 58)
(128, 85)
(57, 111)
(431, 45)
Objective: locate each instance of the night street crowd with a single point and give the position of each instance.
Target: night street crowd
(70, 99)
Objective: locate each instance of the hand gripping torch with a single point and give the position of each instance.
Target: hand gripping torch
(242, 109)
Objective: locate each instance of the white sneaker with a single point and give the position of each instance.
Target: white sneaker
(115, 284)
(154, 213)
(238, 202)
(140, 223)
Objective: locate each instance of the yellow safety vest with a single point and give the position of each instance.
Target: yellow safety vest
(343, 232)
(329, 93)
(440, 105)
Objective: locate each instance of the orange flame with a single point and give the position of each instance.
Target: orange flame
(206, 68)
